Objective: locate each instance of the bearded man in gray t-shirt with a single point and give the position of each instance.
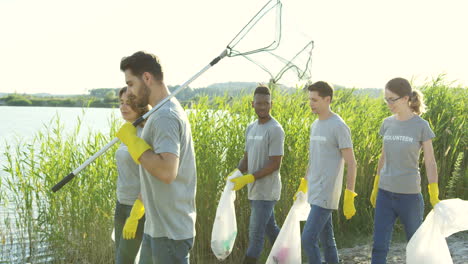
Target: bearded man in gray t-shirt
(329, 150)
(166, 156)
(264, 149)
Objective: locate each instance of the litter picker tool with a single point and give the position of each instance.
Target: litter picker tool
(244, 43)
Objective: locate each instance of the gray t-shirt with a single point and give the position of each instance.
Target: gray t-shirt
(128, 180)
(261, 142)
(326, 164)
(402, 142)
(170, 208)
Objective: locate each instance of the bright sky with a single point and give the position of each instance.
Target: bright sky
(69, 47)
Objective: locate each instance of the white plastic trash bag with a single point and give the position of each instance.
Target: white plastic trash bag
(224, 230)
(287, 247)
(428, 244)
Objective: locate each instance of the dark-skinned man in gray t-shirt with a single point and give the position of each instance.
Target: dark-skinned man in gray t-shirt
(264, 149)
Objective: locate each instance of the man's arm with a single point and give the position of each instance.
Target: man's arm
(351, 164)
(163, 166)
(275, 153)
(243, 163)
(273, 164)
(163, 160)
(348, 202)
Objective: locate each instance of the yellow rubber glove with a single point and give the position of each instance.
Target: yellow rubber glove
(434, 193)
(375, 190)
(131, 225)
(302, 188)
(240, 182)
(136, 146)
(348, 207)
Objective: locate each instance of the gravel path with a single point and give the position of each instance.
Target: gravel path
(458, 245)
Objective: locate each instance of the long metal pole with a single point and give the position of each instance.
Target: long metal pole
(75, 172)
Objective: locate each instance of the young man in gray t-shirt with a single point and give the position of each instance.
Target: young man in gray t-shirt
(330, 148)
(166, 156)
(264, 149)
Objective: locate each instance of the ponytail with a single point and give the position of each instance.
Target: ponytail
(416, 102)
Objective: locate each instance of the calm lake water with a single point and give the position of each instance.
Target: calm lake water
(24, 122)
(19, 125)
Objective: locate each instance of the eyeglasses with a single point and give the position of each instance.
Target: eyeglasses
(392, 100)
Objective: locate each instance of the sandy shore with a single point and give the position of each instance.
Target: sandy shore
(458, 245)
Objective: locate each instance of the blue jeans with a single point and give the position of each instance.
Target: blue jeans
(126, 250)
(408, 207)
(319, 227)
(262, 222)
(162, 250)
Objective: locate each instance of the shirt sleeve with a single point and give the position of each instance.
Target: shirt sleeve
(427, 132)
(167, 135)
(276, 141)
(343, 136)
(382, 129)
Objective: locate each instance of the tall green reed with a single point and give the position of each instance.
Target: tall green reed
(76, 222)
(363, 114)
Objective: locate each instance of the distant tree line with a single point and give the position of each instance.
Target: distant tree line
(108, 97)
(103, 97)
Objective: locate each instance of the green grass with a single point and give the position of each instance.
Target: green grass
(77, 221)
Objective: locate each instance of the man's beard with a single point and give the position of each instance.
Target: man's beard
(142, 99)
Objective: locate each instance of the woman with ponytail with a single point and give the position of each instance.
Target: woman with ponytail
(397, 186)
